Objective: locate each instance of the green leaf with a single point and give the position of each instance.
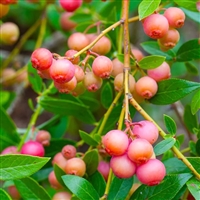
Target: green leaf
(170, 124)
(147, 7)
(98, 182)
(192, 146)
(152, 47)
(91, 102)
(164, 145)
(189, 51)
(151, 62)
(191, 68)
(180, 138)
(59, 173)
(91, 159)
(81, 17)
(106, 95)
(6, 98)
(34, 79)
(198, 146)
(189, 119)
(19, 166)
(168, 188)
(42, 174)
(120, 188)
(120, 57)
(192, 15)
(67, 107)
(193, 186)
(172, 90)
(80, 187)
(195, 104)
(195, 163)
(87, 138)
(188, 4)
(4, 195)
(30, 189)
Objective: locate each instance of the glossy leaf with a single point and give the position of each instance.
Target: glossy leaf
(191, 68)
(59, 173)
(147, 7)
(195, 163)
(91, 159)
(195, 104)
(189, 51)
(168, 188)
(42, 174)
(30, 189)
(188, 4)
(193, 186)
(151, 62)
(19, 166)
(6, 98)
(4, 195)
(170, 124)
(198, 146)
(172, 90)
(106, 95)
(87, 138)
(164, 146)
(120, 188)
(80, 187)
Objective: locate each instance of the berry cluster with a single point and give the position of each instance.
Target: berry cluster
(134, 155)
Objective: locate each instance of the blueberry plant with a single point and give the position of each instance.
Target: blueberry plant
(117, 99)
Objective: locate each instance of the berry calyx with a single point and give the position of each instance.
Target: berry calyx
(69, 151)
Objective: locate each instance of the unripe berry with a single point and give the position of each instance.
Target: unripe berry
(175, 17)
(9, 33)
(160, 73)
(115, 142)
(59, 160)
(92, 82)
(62, 196)
(79, 73)
(53, 181)
(41, 59)
(155, 26)
(69, 151)
(33, 148)
(14, 193)
(102, 67)
(122, 166)
(77, 41)
(43, 137)
(75, 166)
(119, 82)
(146, 130)
(137, 53)
(4, 10)
(151, 173)
(104, 168)
(118, 67)
(62, 71)
(65, 22)
(146, 87)
(140, 151)
(70, 5)
(9, 150)
(70, 53)
(79, 89)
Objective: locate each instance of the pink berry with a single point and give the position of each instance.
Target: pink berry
(33, 148)
(70, 5)
(137, 53)
(151, 173)
(62, 195)
(65, 22)
(53, 181)
(59, 160)
(43, 137)
(118, 67)
(14, 193)
(70, 53)
(104, 168)
(69, 151)
(79, 73)
(9, 150)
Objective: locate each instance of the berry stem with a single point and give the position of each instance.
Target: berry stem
(163, 134)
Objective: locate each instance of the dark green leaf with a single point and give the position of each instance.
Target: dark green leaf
(198, 147)
(80, 187)
(170, 124)
(189, 51)
(192, 146)
(188, 4)
(19, 166)
(191, 68)
(106, 95)
(59, 173)
(147, 7)
(42, 174)
(91, 102)
(180, 138)
(193, 186)
(195, 104)
(98, 182)
(87, 138)
(164, 145)
(172, 90)
(151, 62)
(120, 188)
(195, 163)
(4, 195)
(30, 189)
(67, 107)
(168, 188)
(189, 119)
(91, 159)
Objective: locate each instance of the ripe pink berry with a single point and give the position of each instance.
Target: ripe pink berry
(146, 87)
(62, 196)
(33, 148)
(9, 150)
(122, 166)
(59, 160)
(198, 5)
(62, 71)
(115, 142)
(69, 151)
(160, 73)
(43, 137)
(53, 181)
(146, 130)
(104, 168)
(75, 166)
(70, 5)
(175, 17)
(8, 2)
(14, 193)
(65, 22)
(137, 53)
(45, 74)
(79, 73)
(140, 151)
(117, 67)
(102, 66)
(155, 26)
(92, 82)
(77, 41)
(41, 59)
(151, 173)
(70, 53)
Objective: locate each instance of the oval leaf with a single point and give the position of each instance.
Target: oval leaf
(172, 90)
(80, 187)
(195, 163)
(4, 195)
(195, 104)
(20, 166)
(170, 124)
(188, 4)
(87, 138)
(151, 62)
(106, 95)
(164, 146)
(193, 186)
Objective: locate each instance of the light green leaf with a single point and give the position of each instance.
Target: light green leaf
(151, 62)
(4, 195)
(193, 186)
(170, 124)
(87, 138)
(188, 4)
